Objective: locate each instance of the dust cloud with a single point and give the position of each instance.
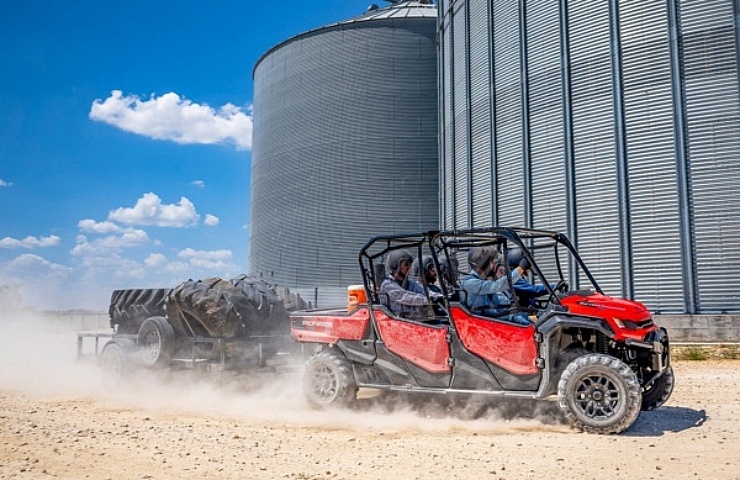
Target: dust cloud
(38, 357)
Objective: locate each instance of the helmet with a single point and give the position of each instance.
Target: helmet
(427, 265)
(393, 262)
(514, 255)
(479, 257)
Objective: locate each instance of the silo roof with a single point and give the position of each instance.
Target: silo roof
(394, 11)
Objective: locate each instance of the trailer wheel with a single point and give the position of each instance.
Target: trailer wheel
(115, 362)
(599, 394)
(659, 391)
(328, 380)
(156, 341)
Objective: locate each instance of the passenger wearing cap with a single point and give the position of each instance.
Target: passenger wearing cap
(489, 297)
(401, 294)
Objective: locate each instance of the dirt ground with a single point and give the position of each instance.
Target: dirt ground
(57, 421)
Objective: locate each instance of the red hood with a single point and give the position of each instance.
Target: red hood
(598, 305)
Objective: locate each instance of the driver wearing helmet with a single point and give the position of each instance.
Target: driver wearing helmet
(491, 298)
(403, 296)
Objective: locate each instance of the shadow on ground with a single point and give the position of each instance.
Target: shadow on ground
(653, 423)
(667, 419)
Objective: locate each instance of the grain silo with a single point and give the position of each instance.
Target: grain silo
(344, 146)
(615, 121)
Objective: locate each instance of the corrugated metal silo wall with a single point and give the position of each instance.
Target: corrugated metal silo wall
(617, 122)
(344, 148)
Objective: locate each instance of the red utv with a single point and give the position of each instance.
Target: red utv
(603, 356)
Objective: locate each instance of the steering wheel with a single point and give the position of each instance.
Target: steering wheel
(560, 287)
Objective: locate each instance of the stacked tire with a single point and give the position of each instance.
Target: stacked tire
(244, 307)
(130, 308)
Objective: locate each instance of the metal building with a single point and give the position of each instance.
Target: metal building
(344, 146)
(616, 121)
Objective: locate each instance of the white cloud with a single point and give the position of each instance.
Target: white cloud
(38, 282)
(155, 260)
(212, 261)
(211, 220)
(29, 263)
(107, 267)
(3, 183)
(91, 226)
(171, 117)
(159, 262)
(101, 247)
(30, 242)
(150, 211)
(198, 183)
(205, 254)
(208, 260)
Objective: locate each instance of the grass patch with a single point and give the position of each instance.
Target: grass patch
(731, 353)
(696, 354)
(706, 352)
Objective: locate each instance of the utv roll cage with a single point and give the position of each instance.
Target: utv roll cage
(446, 248)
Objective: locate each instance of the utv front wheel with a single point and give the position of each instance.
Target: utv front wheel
(599, 394)
(328, 380)
(659, 391)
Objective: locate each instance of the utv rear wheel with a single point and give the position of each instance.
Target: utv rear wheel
(599, 394)
(659, 391)
(156, 341)
(328, 380)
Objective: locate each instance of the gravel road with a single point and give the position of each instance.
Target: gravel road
(56, 421)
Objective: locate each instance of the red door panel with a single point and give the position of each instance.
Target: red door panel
(330, 327)
(420, 344)
(511, 347)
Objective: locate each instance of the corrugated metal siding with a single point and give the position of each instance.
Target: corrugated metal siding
(345, 147)
(708, 86)
(594, 142)
(480, 113)
(546, 116)
(651, 152)
(509, 148)
(448, 130)
(462, 125)
(713, 116)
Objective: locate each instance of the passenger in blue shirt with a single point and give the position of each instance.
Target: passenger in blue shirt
(525, 291)
(491, 298)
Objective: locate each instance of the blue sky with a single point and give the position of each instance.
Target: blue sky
(125, 140)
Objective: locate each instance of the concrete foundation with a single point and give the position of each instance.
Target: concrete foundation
(701, 328)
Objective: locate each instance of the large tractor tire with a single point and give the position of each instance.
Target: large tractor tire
(328, 380)
(242, 307)
(203, 308)
(130, 308)
(156, 343)
(265, 304)
(292, 301)
(659, 391)
(599, 394)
